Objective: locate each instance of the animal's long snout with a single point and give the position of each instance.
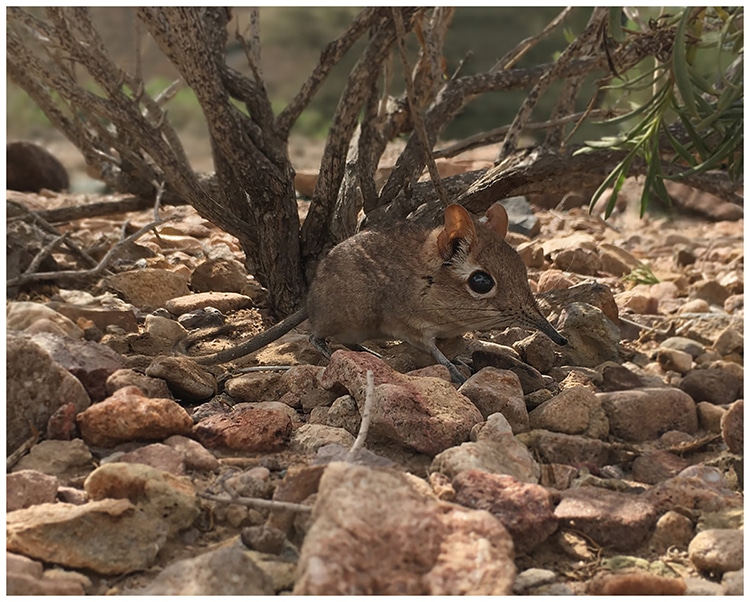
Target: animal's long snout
(549, 330)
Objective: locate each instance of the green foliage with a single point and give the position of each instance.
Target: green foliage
(694, 108)
(641, 275)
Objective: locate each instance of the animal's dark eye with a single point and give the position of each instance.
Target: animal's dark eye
(481, 282)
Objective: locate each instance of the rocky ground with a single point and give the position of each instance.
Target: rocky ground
(613, 465)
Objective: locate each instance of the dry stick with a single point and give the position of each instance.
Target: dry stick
(45, 225)
(513, 56)
(256, 502)
(415, 114)
(42, 276)
(364, 426)
(44, 252)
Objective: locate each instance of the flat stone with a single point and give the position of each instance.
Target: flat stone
(102, 317)
(225, 302)
(253, 429)
(573, 450)
(573, 411)
(732, 427)
(148, 288)
(186, 379)
(620, 521)
(694, 348)
(592, 337)
(26, 488)
(66, 460)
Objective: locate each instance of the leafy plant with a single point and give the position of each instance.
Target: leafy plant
(693, 121)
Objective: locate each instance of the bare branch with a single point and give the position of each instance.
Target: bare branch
(255, 502)
(414, 108)
(364, 426)
(329, 58)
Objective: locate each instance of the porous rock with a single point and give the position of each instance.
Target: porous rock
(25, 488)
(185, 378)
(493, 390)
(251, 429)
(717, 551)
(425, 414)
(357, 544)
(127, 415)
(732, 427)
(573, 411)
(715, 385)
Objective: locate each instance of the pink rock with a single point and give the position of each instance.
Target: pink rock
(493, 390)
(620, 521)
(656, 466)
(26, 488)
(637, 301)
(127, 415)
(157, 455)
(644, 414)
(254, 429)
(573, 450)
(551, 280)
(573, 411)
(62, 424)
(196, 456)
(426, 414)
(525, 509)
(696, 490)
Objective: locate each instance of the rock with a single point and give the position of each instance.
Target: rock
(125, 377)
(219, 275)
(36, 388)
(644, 414)
(729, 341)
(636, 583)
(344, 413)
(525, 509)
(196, 456)
(709, 416)
(264, 539)
(532, 578)
(31, 168)
(530, 378)
(157, 455)
(291, 349)
(637, 301)
(694, 306)
(710, 291)
(185, 378)
(26, 577)
(592, 337)
(493, 390)
(717, 551)
(573, 450)
(90, 362)
(697, 487)
(536, 351)
(656, 466)
(148, 288)
(716, 385)
(164, 332)
(578, 260)
(616, 260)
(521, 217)
(127, 415)
(204, 317)
(254, 429)
(66, 460)
(672, 530)
(425, 414)
(591, 293)
(26, 488)
(427, 547)
(494, 451)
(557, 476)
(733, 583)
(697, 586)
(119, 539)
(732, 427)
(310, 437)
(255, 386)
(684, 344)
(620, 521)
(227, 571)
(169, 499)
(102, 317)
(304, 388)
(62, 424)
(553, 280)
(573, 411)
(27, 316)
(615, 377)
(734, 303)
(674, 360)
(223, 301)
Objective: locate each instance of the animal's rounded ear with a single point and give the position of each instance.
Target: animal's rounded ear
(496, 219)
(458, 226)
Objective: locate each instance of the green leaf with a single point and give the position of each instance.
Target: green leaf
(614, 26)
(680, 64)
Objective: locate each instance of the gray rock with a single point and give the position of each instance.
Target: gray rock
(573, 450)
(344, 413)
(25, 488)
(148, 288)
(592, 337)
(185, 378)
(674, 360)
(310, 437)
(125, 377)
(66, 460)
(732, 427)
(228, 571)
(531, 578)
(733, 583)
(690, 346)
(729, 341)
